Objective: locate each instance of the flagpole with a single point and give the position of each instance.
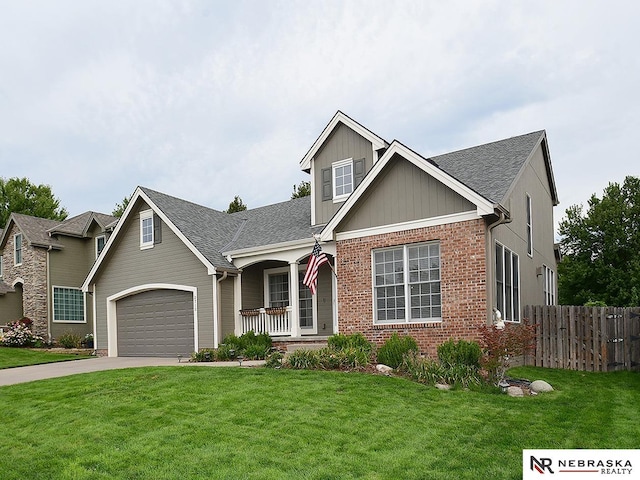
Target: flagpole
(316, 237)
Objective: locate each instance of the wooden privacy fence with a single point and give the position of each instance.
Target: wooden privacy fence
(598, 339)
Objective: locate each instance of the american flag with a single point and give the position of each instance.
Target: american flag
(316, 259)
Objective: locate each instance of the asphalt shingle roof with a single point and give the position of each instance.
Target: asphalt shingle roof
(490, 169)
(35, 230)
(76, 226)
(213, 232)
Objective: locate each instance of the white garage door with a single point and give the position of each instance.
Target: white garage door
(156, 323)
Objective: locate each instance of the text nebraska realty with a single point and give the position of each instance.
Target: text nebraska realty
(606, 467)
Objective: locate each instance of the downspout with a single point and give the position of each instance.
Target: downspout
(49, 295)
(491, 273)
(218, 310)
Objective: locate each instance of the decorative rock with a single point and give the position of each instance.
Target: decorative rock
(443, 386)
(515, 392)
(540, 386)
(384, 369)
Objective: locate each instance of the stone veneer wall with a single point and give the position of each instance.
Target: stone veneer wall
(463, 284)
(33, 271)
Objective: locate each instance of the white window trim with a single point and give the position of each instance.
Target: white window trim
(144, 215)
(15, 249)
(334, 166)
(96, 243)
(53, 311)
(275, 271)
(504, 285)
(529, 223)
(407, 290)
(1, 266)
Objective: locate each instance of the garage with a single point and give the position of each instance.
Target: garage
(156, 323)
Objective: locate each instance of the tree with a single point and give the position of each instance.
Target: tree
(121, 207)
(601, 249)
(236, 205)
(302, 190)
(19, 195)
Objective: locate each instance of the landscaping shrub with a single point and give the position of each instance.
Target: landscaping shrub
(502, 345)
(461, 352)
(303, 359)
(430, 372)
(395, 348)
(20, 335)
(70, 340)
(345, 358)
(355, 340)
(256, 351)
(274, 360)
(204, 355)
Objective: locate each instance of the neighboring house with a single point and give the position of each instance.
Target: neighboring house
(43, 264)
(423, 246)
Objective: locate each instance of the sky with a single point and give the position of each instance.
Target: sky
(205, 100)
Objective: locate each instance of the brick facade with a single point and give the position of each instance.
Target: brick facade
(33, 272)
(463, 284)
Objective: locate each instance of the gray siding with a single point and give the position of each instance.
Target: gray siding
(533, 181)
(227, 319)
(325, 302)
(168, 262)
(343, 143)
(11, 306)
(68, 268)
(403, 192)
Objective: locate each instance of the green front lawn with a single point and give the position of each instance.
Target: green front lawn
(21, 357)
(230, 423)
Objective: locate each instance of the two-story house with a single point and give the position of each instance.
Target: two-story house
(429, 247)
(42, 266)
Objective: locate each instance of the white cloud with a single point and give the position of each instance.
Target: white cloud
(205, 100)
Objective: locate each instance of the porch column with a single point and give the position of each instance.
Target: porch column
(294, 295)
(237, 304)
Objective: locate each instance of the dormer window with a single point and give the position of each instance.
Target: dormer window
(341, 179)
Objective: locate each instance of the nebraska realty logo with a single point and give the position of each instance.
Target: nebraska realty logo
(579, 464)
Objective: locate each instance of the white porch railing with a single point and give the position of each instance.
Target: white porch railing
(274, 321)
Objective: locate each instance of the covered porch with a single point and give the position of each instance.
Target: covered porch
(271, 298)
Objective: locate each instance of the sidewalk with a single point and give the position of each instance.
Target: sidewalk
(12, 376)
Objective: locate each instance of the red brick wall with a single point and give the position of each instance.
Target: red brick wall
(463, 284)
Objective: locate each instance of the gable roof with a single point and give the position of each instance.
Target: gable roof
(34, 230)
(79, 225)
(484, 174)
(376, 141)
(492, 169)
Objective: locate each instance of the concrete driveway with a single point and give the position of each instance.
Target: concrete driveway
(11, 376)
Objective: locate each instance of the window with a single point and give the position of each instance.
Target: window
(100, 243)
(306, 303)
(17, 249)
(549, 287)
(68, 305)
(507, 283)
(0, 266)
(529, 227)
(146, 229)
(407, 284)
(279, 290)
(342, 179)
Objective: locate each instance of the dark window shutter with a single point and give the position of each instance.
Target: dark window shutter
(157, 229)
(327, 190)
(358, 172)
